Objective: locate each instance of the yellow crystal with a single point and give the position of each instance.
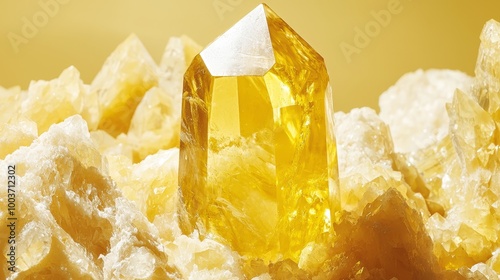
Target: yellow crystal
(258, 159)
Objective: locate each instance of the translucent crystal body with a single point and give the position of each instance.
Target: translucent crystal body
(258, 164)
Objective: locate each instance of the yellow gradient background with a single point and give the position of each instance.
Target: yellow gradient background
(424, 34)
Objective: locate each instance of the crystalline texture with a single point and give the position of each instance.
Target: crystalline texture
(487, 84)
(121, 84)
(73, 223)
(258, 162)
(420, 95)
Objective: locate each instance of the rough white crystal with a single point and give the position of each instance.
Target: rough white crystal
(415, 107)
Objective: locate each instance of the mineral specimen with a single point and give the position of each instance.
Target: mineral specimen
(258, 160)
(469, 174)
(97, 182)
(462, 170)
(72, 222)
(414, 93)
(122, 82)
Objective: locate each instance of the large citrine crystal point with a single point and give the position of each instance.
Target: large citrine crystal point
(258, 165)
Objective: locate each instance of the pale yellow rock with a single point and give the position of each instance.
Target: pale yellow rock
(136, 249)
(464, 172)
(45, 250)
(414, 108)
(128, 73)
(108, 146)
(50, 102)
(486, 86)
(152, 186)
(205, 259)
(15, 135)
(176, 58)
(73, 221)
(264, 276)
(363, 137)
(367, 163)
(154, 125)
(480, 271)
(364, 148)
(469, 232)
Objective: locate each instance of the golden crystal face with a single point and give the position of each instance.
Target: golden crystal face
(258, 165)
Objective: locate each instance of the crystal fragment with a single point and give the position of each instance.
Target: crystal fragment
(368, 166)
(487, 83)
(176, 58)
(463, 171)
(258, 159)
(360, 163)
(420, 95)
(128, 73)
(204, 259)
(72, 220)
(154, 125)
(15, 135)
(50, 102)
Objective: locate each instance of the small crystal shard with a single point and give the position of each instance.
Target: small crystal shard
(258, 164)
(487, 84)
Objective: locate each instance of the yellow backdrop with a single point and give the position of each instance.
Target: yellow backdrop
(367, 45)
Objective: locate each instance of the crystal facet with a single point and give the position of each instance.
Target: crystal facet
(258, 164)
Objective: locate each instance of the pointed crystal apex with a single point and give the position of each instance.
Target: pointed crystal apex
(245, 49)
